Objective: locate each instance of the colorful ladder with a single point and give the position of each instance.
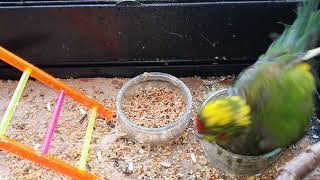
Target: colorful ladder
(42, 157)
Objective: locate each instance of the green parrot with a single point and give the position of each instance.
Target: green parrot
(270, 103)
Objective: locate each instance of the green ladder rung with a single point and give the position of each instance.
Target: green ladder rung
(13, 102)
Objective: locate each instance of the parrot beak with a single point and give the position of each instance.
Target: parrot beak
(199, 128)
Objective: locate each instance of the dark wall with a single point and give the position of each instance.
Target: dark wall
(107, 39)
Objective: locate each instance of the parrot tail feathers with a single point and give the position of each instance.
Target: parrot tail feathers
(302, 35)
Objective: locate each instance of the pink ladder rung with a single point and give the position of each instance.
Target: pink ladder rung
(52, 123)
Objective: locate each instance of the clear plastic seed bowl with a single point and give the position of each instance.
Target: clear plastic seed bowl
(234, 163)
(154, 135)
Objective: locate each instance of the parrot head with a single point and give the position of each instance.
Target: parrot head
(222, 118)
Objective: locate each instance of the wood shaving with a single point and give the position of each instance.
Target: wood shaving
(193, 157)
(130, 166)
(82, 111)
(49, 107)
(165, 164)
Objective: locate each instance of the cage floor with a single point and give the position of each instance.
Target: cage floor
(113, 155)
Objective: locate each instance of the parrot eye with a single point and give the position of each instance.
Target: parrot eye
(222, 136)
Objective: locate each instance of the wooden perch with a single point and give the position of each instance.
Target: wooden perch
(301, 165)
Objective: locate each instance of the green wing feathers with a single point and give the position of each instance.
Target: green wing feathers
(278, 89)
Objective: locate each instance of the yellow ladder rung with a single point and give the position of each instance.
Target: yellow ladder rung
(13, 102)
(87, 139)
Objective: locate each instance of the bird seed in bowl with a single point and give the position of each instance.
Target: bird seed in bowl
(153, 104)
